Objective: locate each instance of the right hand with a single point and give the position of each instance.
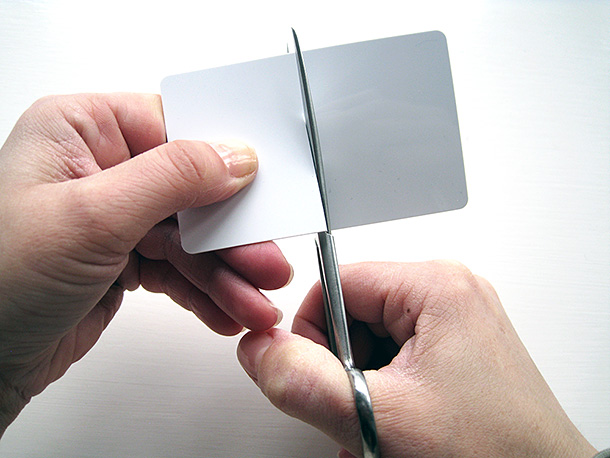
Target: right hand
(452, 376)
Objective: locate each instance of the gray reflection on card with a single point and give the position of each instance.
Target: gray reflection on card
(388, 128)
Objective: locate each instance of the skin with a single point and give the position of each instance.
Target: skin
(448, 374)
(87, 193)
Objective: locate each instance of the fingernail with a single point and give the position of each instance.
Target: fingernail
(239, 158)
(251, 350)
(280, 315)
(291, 276)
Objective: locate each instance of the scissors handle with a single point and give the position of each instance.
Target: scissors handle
(338, 336)
(364, 407)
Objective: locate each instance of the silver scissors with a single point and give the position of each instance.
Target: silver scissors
(332, 294)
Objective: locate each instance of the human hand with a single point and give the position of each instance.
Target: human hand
(452, 376)
(88, 190)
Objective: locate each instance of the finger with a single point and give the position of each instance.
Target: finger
(310, 319)
(114, 127)
(386, 296)
(372, 345)
(119, 126)
(74, 344)
(133, 196)
(235, 295)
(262, 264)
(90, 132)
(366, 287)
(304, 380)
(162, 277)
(129, 279)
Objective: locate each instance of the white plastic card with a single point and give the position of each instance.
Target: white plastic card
(388, 132)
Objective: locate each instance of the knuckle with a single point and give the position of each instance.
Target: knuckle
(203, 176)
(44, 103)
(456, 278)
(41, 116)
(214, 276)
(454, 292)
(188, 160)
(92, 224)
(51, 106)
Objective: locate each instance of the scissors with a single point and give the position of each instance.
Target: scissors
(334, 305)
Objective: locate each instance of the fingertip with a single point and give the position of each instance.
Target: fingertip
(251, 349)
(248, 350)
(262, 264)
(228, 330)
(302, 379)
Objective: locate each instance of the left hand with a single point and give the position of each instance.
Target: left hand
(88, 190)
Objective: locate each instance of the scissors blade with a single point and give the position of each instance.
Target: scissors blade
(332, 294)
(312, 128)
(334, 305)
(327, 257)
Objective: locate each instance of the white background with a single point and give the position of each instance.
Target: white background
(532, 82)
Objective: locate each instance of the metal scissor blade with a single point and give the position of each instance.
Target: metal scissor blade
(312, 128)
(325, 300)
(338, 336)
(327, 258)
(332, 294)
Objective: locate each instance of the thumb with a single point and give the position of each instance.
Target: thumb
(133, 196)
(304, 380)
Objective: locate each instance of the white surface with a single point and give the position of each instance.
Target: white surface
(533, 96)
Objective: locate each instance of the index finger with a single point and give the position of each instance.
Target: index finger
(110, 127)
(118, 126)
(386, 296)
